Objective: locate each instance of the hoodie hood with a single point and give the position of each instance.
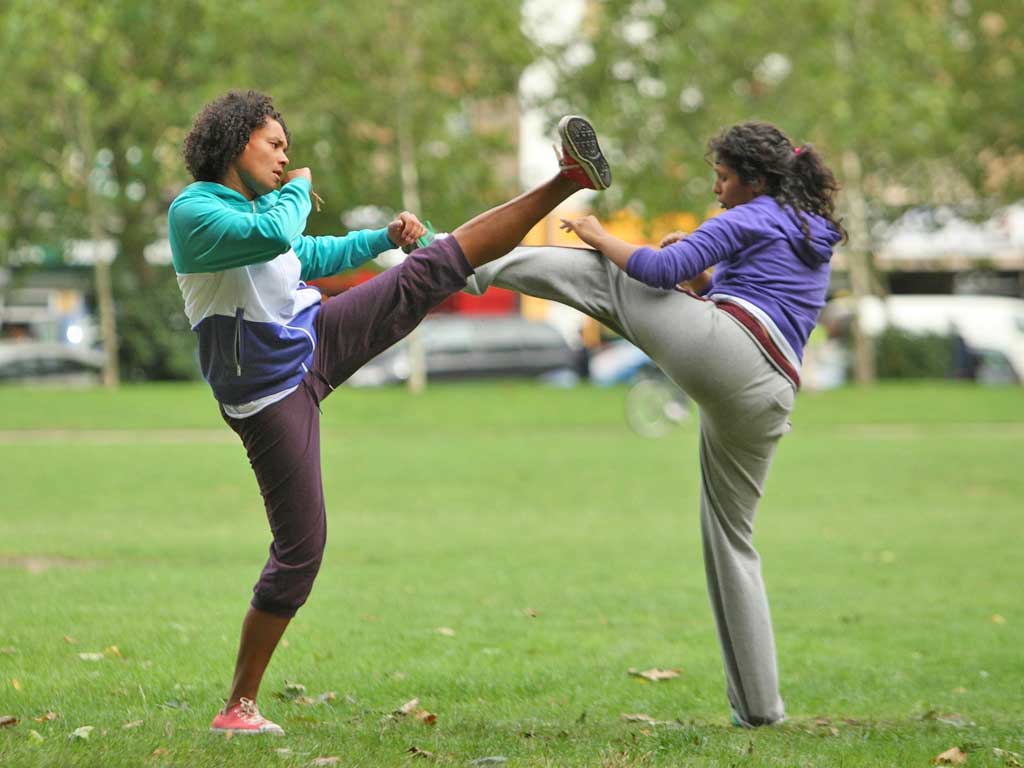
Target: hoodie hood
(816, 249)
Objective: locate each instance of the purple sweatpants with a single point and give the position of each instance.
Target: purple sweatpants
(283, 440)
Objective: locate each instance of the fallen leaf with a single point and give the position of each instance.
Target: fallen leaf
(112, 650)
(8, 720)
(291, 692)
(638, 718)
(70, 640)
(531, 613)
(284, 642)
(997, 619)
(160, 752)
(417, 752)
(35, 735)
(1011, 759)
(960, 689)
(427, 718)
(409, 707)
(655, 674)
(132, 724)
(8, 650)
(949, 718)
(953, 755)
(446, 631)
(81, 733)
(492, 760)
(412, 707)
(323, 698)
(91, 656)
(326, 761)
(15, 683)
(47, 717)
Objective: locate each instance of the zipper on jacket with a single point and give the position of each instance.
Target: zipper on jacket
(238, 341)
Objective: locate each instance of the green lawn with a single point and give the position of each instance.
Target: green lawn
(560, 548)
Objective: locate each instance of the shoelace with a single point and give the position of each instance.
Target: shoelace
(249, 711)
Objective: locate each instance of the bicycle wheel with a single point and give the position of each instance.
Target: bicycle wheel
(654, 407)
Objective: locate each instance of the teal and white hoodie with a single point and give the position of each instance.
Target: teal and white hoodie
(241, 267)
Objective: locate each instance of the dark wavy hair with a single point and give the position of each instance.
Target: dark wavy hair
(795, 175)
(221, 131)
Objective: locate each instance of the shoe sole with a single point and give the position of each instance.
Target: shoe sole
(580, 140)
(247, 732)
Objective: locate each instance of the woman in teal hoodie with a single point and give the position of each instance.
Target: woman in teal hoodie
(272, 349)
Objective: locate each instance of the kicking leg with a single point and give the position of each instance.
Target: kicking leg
(499, 230)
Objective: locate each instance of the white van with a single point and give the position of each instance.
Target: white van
(992, 326)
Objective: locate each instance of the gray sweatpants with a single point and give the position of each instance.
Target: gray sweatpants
(744, 407)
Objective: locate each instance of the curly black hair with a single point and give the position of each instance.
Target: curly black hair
(794, 175)
(221, 131)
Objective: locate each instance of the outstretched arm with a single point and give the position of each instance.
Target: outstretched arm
(324, 256)
(683, 260)
(590, 231)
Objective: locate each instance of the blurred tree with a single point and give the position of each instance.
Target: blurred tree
(890, 92)
(100, 98)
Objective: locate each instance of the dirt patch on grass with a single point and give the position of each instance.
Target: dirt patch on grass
(1011, 431)
(36, 564)
(115, 436)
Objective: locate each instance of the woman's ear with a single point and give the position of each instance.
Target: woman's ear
(760, 185)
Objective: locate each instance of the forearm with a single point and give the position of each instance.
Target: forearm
(615, 250)
(324, 256)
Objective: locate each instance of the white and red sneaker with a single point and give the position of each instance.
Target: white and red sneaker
(244, 717)
(581, 159)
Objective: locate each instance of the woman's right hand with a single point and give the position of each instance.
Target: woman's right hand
(587, 228)
(298, 173)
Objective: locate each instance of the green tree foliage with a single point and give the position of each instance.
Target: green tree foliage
(919, 94)
(100, 97)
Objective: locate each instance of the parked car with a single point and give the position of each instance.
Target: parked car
(32, 362)
(992, 327)
(474, 347)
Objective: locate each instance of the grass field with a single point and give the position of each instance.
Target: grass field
(560, 551)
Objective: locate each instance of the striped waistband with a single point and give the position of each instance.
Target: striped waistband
(763, 338)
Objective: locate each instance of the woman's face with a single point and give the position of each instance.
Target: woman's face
(261, 164)
(731, 190)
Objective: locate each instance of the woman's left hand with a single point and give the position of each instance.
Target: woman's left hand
(405, 229)
(587, 228)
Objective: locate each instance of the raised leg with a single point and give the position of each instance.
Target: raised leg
(495, 232)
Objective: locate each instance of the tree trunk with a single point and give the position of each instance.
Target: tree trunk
(858, 264)
(101, 269)
(409, 174)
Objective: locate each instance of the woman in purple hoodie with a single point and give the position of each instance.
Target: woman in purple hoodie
(734, 343)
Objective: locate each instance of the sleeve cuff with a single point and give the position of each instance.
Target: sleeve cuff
(380, 242)
(633, 262)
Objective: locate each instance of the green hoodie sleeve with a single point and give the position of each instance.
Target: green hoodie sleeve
(209, 236)
(325, 256)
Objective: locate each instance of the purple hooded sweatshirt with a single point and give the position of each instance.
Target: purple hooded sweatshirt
(764, 260)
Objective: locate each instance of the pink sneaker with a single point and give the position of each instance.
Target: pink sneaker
(244, 717)
(581, 159)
